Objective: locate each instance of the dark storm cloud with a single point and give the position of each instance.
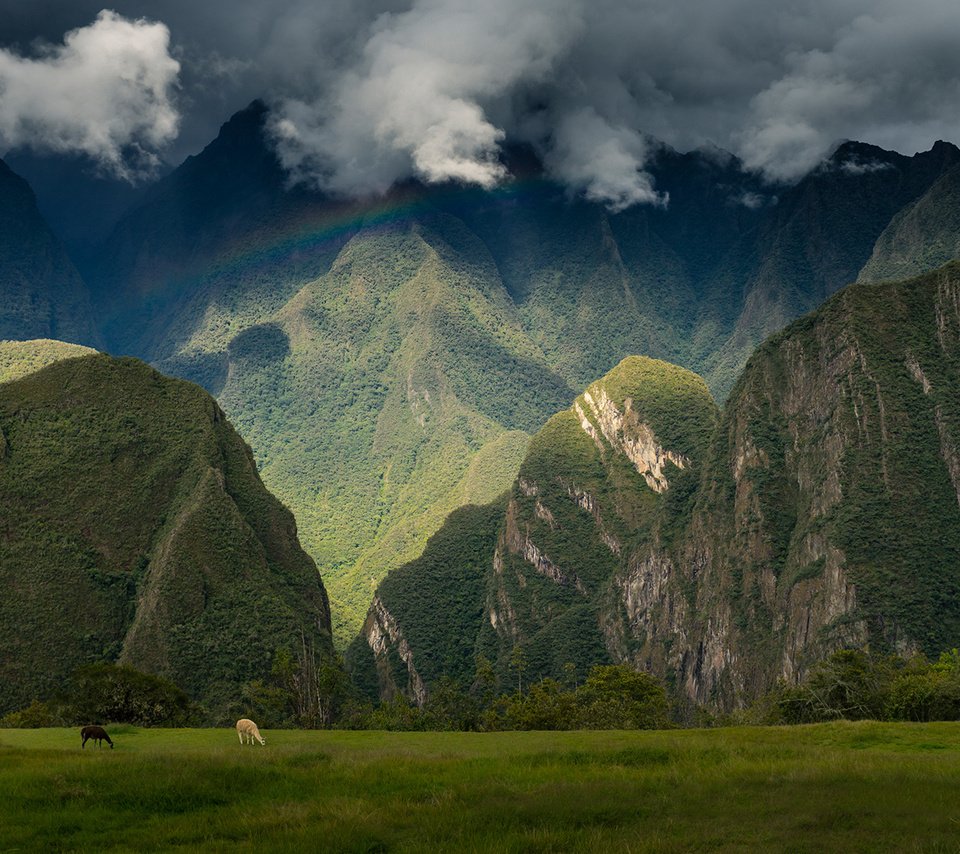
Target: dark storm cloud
(364, 93)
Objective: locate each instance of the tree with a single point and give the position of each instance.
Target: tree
(518, 662)
(484, 681)
(850, 684)
(615, 696)
(316, 683)
(546, 706)
(107, 692)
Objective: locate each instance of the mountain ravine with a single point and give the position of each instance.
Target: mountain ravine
(821, 510)
(388, 359)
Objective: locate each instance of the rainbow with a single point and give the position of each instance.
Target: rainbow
(310, 232)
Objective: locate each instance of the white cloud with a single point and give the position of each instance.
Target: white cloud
(105, 92)
(602, 161)
(368, 92)
(889, 76)
(415, 101)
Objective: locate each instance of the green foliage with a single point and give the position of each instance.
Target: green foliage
(618, 697)
(34, 716)
(19, 358)
(923, 236)
(442, 626)
(308, 689)
(107, 693)
(142, 531)
(855, 685)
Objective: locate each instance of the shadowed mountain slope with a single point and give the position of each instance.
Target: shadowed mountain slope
(134, 528)
(41, 293)
(825, 512)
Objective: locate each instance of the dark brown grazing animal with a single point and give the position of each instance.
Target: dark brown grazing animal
(95, 733)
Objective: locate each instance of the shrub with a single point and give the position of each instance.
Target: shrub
(122, 694)
(34, 716)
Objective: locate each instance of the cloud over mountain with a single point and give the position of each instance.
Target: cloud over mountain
(106, 92)
(368, 92)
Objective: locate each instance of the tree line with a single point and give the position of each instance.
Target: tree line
(309, 690)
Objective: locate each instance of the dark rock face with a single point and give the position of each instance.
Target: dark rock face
(41, 293)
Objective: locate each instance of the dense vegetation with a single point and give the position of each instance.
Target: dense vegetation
(829, 787)
(587, 509)
(19, 358)
(109, 694)
(857, 685)
(802, 525)
(142, 534)
(385, 359)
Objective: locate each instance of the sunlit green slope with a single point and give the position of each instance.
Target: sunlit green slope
(19, 358)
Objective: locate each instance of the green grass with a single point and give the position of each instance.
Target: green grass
(840, 787)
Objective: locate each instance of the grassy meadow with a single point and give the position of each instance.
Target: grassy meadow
(841, 787)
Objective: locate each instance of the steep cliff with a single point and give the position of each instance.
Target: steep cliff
(134, 528)
(600, 481)
(830, 509)
(823, 512)
(41, 292)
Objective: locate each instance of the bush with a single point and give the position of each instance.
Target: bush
(34, 716)
(855, 685)
(121, 694)
(617, 697)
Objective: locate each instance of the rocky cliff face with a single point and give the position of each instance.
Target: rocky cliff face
(823, 512)
(829, 514)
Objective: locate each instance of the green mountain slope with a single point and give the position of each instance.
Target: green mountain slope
(384, 358)
(134, 528)
(921, 237)
(19, 358)
(823, 512)
(602, 480)
(41, 293)
(394, 389)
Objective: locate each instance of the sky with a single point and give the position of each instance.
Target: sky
(364, 93)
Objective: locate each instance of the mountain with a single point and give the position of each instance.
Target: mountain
(76, 199)
(19, 358)
(922, 236)
(812, 242)
(41, 293)
(388, 359)
(601, 479)
(141, 534)
(822, 510)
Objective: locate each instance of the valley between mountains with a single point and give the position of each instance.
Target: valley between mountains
(715, 439)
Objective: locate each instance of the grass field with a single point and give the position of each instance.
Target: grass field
(840, 787)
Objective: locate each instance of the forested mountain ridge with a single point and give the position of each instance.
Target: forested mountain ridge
(810, 525)
(331, 331)
(134, 528)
